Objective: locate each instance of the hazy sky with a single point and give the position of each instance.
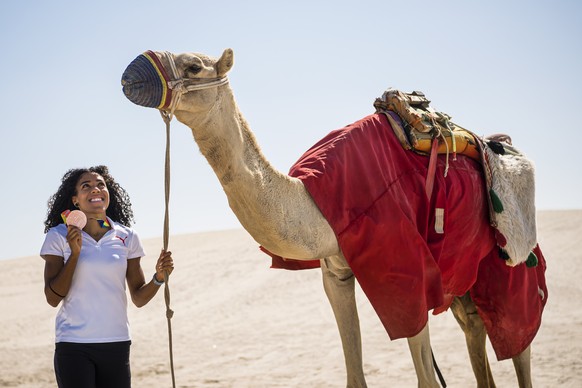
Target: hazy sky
(302, 69)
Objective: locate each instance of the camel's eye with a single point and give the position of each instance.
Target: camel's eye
(193, 69)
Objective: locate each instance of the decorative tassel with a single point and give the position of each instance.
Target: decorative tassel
(503, 254)
(495, 201)
(496, 147)
(532, 260)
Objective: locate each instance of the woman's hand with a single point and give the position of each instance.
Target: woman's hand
(75, 240)
(140, 291)
(165, 264)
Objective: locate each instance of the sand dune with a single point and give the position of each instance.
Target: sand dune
(238, 323)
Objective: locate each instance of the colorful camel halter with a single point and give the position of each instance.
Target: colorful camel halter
(146, 82)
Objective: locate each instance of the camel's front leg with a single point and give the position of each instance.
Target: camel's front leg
(421, 353)
(339, 285)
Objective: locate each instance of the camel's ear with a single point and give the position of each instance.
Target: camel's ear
(225, 62)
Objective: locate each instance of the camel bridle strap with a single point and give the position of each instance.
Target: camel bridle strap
(182, 85)
(179, 86)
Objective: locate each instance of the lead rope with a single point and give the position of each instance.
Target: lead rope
(169, 312)
(438, 371)
(177, 85)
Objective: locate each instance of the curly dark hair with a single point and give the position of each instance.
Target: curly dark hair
(119, 209)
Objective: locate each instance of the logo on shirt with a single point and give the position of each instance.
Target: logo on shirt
(122, 239)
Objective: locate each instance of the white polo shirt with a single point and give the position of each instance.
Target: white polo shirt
(95, 308)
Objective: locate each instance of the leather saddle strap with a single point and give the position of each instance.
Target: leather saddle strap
(431, 168)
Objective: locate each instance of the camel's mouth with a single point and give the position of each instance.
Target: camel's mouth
(145, 82)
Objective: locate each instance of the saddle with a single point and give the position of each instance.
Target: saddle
(509, 175)
(416, 124)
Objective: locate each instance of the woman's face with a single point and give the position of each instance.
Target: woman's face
(92, 194)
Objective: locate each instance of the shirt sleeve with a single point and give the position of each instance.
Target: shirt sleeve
(135, 248)
(54, 243)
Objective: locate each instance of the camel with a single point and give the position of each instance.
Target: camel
(277, 210)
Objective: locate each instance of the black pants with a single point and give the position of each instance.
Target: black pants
(104, 365)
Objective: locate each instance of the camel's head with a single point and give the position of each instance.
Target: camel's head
(158, 79)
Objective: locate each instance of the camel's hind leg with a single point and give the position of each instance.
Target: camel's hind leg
(522, 364)
(339, 285)
(466, 314)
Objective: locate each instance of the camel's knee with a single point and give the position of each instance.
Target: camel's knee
(475, 324)
(338, 282)
(337, 267)
(465, 312)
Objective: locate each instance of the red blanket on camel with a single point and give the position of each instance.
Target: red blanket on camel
(372, 192)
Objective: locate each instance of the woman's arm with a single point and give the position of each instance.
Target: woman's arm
(52, 267)
(57, 278)
(140, 291)
(58, 275)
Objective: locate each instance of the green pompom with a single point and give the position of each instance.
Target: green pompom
(495, 201)
(532, 260)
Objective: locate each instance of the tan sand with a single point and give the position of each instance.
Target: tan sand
(238, 323)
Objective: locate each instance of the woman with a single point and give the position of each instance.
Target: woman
(87, 270)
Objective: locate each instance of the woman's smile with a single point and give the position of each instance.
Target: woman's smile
(92, 194)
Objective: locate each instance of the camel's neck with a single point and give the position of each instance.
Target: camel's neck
(225, 139)
(268, 204)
